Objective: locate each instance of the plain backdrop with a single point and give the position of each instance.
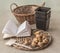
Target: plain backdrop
(6, 14)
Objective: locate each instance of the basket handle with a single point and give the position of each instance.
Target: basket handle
(11, 6)
(42, 4)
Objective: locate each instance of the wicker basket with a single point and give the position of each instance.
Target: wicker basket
(25, 12)
(43, 15)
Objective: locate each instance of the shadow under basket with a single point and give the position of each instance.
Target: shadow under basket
(26, 12)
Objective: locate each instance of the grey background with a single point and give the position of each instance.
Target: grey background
(5, 15)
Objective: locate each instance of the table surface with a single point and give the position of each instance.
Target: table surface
(54, 30)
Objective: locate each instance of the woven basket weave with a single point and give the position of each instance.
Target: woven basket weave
(20, 40)
(25, 12)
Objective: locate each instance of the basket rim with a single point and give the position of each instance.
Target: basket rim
(24, 14)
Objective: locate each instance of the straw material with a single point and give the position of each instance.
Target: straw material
(26, 12)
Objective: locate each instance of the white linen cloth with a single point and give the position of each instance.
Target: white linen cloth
(11, 29)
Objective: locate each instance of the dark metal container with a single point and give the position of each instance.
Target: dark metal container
(42, 16)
